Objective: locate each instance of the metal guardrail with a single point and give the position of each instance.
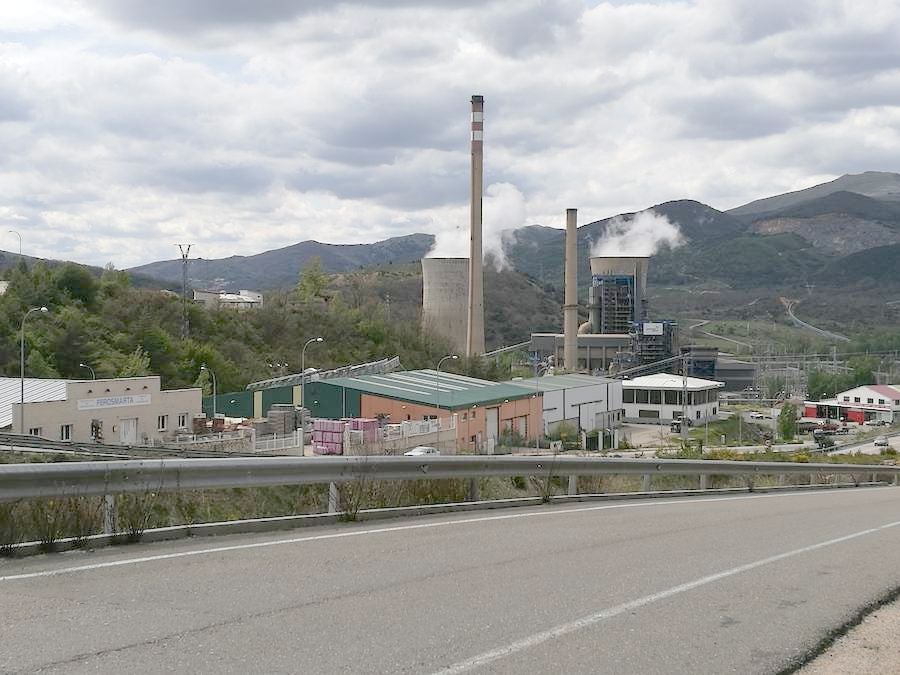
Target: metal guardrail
(26, 481)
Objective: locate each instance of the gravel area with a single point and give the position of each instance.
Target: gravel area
(873, 647)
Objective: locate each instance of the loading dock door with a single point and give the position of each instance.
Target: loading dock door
(492, 429)
(128, 431)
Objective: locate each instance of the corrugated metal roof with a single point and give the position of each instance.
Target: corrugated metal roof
(888, 390)
(36, 390)
(558, 382)
(669, 381)
(425, 387)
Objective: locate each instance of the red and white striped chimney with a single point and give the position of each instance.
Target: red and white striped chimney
(475, 334)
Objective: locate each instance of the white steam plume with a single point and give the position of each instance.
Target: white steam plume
(503, 212)
(640, 235)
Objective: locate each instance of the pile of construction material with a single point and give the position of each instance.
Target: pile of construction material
(332, 437)
(328, 437)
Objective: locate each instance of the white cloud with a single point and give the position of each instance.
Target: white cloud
(127, 126)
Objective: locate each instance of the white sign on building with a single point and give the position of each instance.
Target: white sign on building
(653, 328)
(113, 402)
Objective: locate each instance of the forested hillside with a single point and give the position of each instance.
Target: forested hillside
(121, 331)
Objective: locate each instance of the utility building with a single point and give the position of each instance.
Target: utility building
(665, 397)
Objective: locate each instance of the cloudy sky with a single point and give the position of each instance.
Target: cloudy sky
(129, 125)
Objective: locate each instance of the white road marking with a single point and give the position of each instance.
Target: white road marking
(592, 619)
(382, 530)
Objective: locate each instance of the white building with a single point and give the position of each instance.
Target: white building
(128, 410)
(584, 401)
(868, 403)
(241, 300)
(657, 399)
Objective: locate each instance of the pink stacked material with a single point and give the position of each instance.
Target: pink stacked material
(328, 437)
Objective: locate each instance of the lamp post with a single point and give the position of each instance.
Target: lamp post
(303, 367)
(437, 385)
(42, 310)
(93, 374)
(203, 366)
(20, 241)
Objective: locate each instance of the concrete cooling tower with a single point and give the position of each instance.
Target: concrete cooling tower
(445, 296)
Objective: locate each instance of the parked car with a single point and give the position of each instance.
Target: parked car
(881, 441)
(757, 416)
(422, 451)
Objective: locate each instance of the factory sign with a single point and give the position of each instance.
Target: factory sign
(113, 402)
(653, 328)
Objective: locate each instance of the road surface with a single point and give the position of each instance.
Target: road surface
(744, 583)
(827, 334)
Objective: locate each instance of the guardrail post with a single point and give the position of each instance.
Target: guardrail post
(812, 479)
(874, 477)
(645, 482)
(573, 485)
(333, 498)
(109, 514)
(473, 490)
(782, 479)
(704, 480)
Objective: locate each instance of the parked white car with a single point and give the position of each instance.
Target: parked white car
(422, 451)
(881, 441)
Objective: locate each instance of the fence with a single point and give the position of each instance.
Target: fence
(284, 442)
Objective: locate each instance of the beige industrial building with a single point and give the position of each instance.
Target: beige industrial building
(130, 410)
(242, 300)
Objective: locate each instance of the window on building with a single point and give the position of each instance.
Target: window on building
(714, 411)
(896, 402)
(652, 414)
(881, 401)
(641, 396)
(698, 414)
(671, 398)
(847, 398)
(856, 399)
(473, 414)
(628, 396)
(182, 420)
(65, 432)
(162, 422)
(465, 416)
(655, 397)
(35, 431)
(870, 400)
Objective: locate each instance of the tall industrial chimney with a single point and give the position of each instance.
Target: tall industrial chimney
(570, 309)
(475, 334)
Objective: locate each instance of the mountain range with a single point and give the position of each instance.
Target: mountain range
(846, 231)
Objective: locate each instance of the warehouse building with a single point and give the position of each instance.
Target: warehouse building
(587, 403)
(657, 399)
(127, 410)
(869, 403)
(483, 410)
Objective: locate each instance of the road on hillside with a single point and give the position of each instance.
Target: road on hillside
(741, 583)
(827, 334)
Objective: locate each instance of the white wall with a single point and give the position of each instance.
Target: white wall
(667, 413)
(586, 402)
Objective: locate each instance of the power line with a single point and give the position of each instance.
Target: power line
(185, 250)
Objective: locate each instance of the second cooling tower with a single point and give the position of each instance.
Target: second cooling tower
(445, 295)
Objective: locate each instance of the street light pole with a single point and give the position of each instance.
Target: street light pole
(42, 310)
(93, 374)
(303, 367)
(213, 375)
(437, 386)
(20, 241)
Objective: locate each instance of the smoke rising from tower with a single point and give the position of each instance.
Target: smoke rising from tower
(640, 235)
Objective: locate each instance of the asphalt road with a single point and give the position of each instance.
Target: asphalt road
(742, 584)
